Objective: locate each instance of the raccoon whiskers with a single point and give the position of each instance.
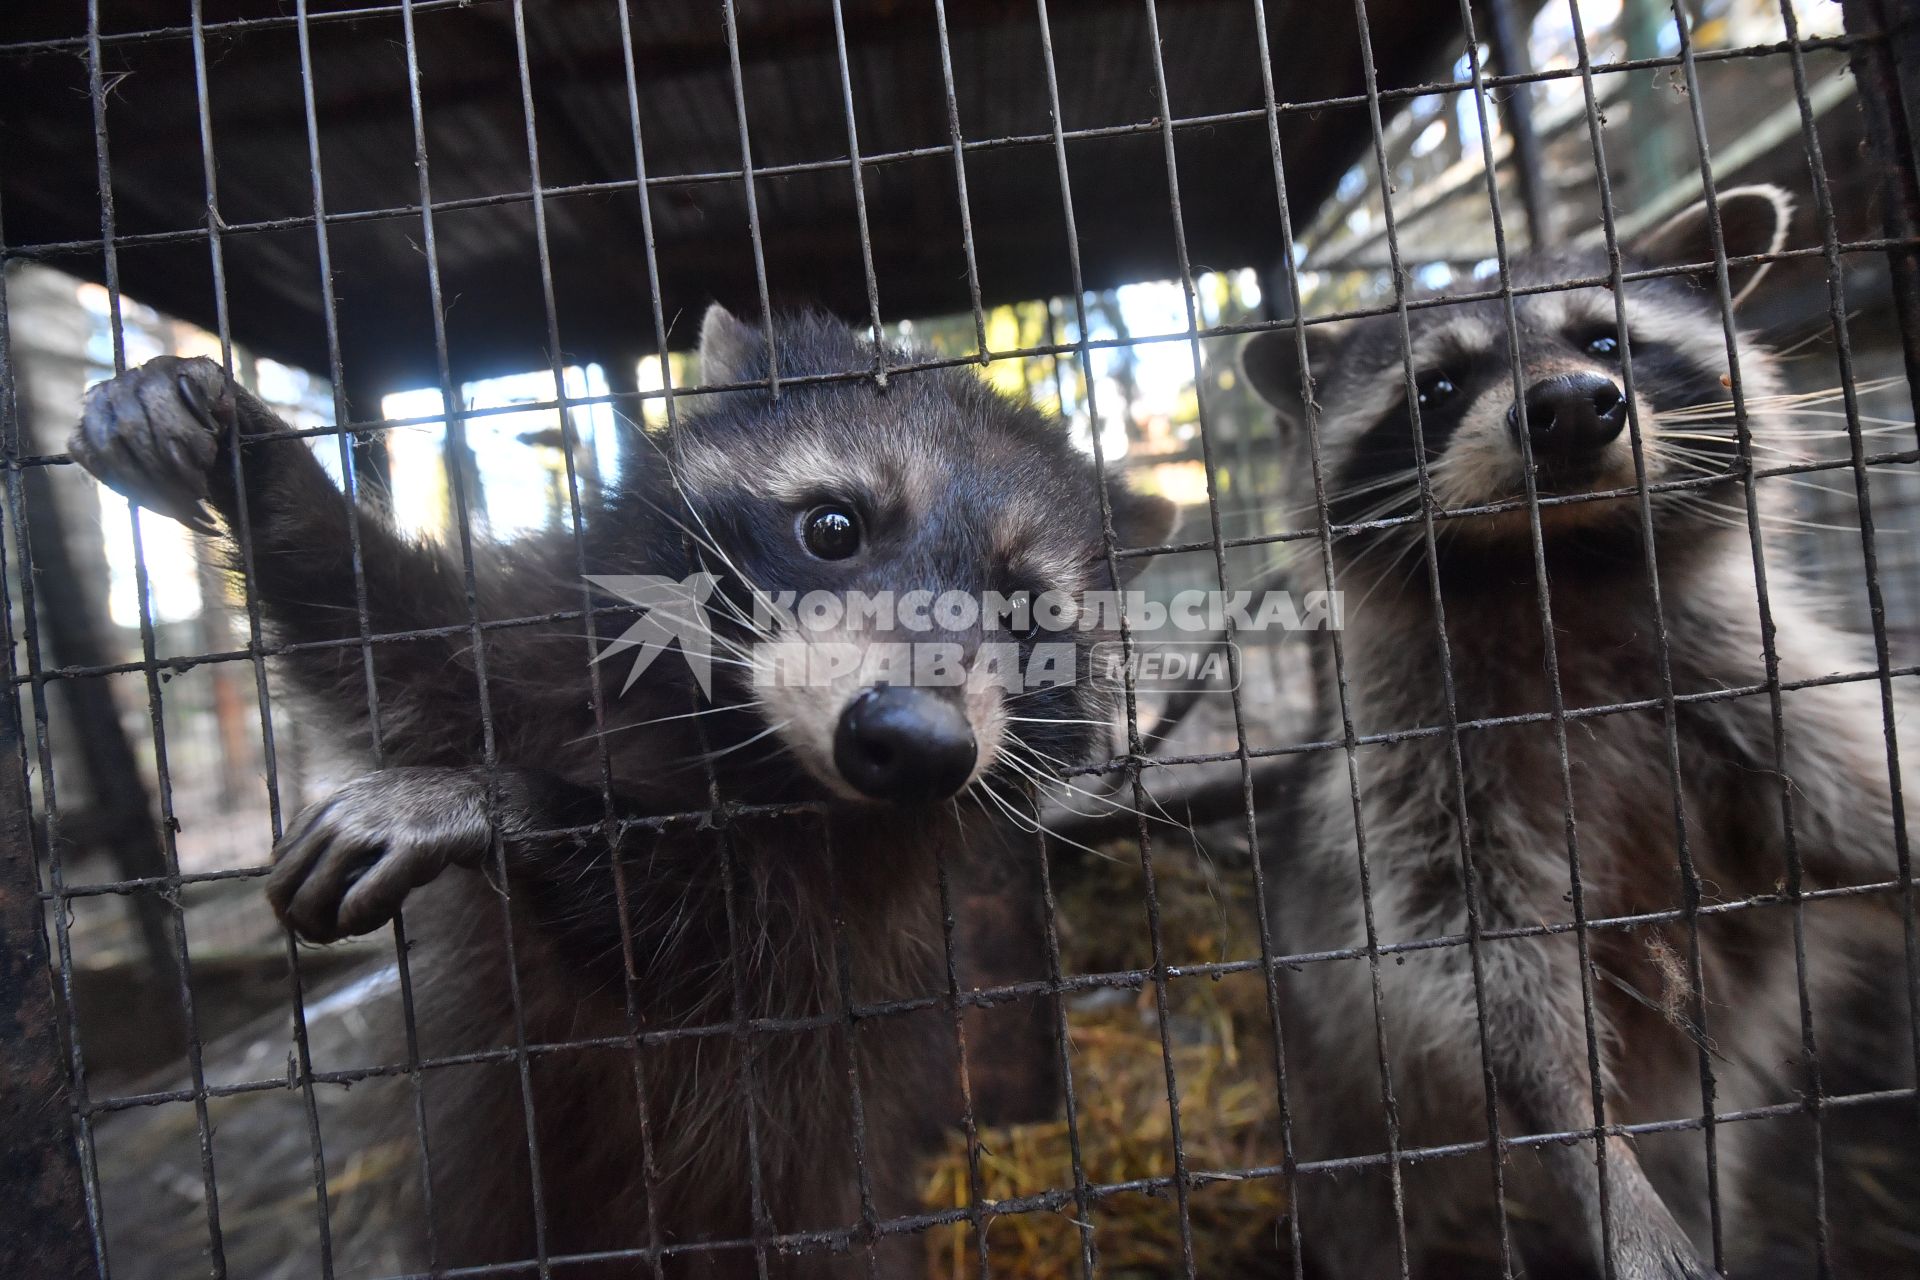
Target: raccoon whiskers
(1736, 517)
(1773, 403)
(1883, 424)
(701, 623)
(707, 757)
(1699, 461)
(1707, 464)
(1402, 538)
(1704, 437)
(1029, 823)
(1045, 688)
(1030, 770)
(1045, 779)
(704, 537)
(1043, 760)
(1821, 331)
(1730, 515)
(1399, 500)
(1874, 427)
(1409, 546)
(733, 610)
(1722, 459)
(746, 663)
(685, 715)
(1378, 483)
(1404, 486)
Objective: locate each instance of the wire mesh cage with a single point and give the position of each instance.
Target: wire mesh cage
(1487, 856)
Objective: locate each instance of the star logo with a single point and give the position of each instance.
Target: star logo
(675, 612)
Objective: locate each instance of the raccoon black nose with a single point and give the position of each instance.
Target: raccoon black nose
(904, 744)
(1571, 417)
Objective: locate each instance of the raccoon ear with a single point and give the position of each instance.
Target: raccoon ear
(1271, 361)
(731, 350)
(1140, 520)
(1752, 220)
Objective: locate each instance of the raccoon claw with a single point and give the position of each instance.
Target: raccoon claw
(153, 435)
(346, 864)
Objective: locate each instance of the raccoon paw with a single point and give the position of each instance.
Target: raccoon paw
(153, 435)
(346, 864)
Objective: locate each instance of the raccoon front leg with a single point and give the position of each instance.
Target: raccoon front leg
(1537, 1042)
(346, 864)
(1534, 1040)
(161, 435)
(1646, 1241)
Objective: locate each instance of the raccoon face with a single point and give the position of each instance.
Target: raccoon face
(861, 523)
(1571, 414)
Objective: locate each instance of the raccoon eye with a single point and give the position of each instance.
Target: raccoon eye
(1604, 345)
(831, 532)
(1435, 388)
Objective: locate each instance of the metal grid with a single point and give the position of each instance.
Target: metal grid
(1873, 54)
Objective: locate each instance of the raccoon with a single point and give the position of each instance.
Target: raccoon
(1514, 1015)
(731, 1141)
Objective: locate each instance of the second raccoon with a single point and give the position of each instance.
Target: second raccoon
(1518, 1014)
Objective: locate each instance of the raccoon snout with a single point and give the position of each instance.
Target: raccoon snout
(1570, 418)
(904, 744)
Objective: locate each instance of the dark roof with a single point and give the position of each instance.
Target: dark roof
(788, 53)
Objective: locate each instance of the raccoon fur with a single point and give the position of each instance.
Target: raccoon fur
(1517, 1014)
(728, 1141)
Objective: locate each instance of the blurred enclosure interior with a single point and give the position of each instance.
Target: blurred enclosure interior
(161, 769)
